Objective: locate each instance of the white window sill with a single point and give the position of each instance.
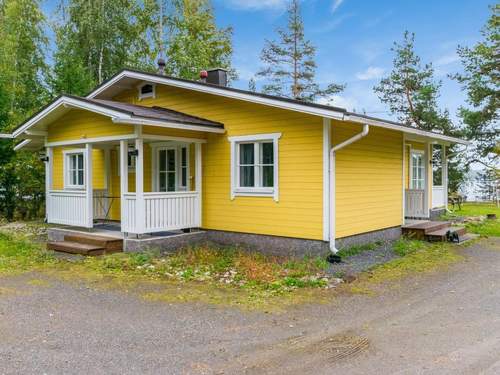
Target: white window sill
(74, 188)
(265, 193)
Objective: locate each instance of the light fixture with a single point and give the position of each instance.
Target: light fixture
(43, 156)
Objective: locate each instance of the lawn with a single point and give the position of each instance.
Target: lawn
(471, 211)
(211, 274)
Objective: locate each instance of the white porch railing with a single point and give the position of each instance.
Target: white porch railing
(67, 207)
(438, 196)
(163, 211)
(414, 203)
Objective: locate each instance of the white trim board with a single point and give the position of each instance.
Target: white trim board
(249, 97)
(118, 117)
(217, 91)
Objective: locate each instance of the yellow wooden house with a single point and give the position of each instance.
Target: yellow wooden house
(153, 155)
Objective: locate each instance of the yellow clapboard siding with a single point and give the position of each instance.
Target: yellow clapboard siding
(368, 180)
(299, 212)
(368, 177)
(79, 124)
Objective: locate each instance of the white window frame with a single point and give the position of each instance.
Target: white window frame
(236, 189)
(66, 164)
(422, 155)
(151, 94)
(155, 175)
(180, 186)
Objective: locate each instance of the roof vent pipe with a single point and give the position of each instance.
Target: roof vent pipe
(347, 142)
(161, 66)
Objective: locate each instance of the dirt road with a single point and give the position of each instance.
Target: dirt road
(442, 323)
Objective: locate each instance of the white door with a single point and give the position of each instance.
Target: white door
(167, 169)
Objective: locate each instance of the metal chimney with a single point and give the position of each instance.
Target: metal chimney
(217, 76)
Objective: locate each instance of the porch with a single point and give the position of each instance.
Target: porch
(145, 185)
(426, 180)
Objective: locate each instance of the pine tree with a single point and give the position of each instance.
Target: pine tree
(488, 183)
(252, 86)
(411, 92)
(97, 38)
(195, 42)
(289, 62)
(481, 81)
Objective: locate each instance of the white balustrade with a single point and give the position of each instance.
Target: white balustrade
(163, 211)
(438, 196)
(67, 207)
(414, 203)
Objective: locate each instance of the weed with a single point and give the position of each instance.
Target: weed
(358, 249)
(405, 246)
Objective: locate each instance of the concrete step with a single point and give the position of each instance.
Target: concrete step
(75, 248)
(111, 244)
(441, 234)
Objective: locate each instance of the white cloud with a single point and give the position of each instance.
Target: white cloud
(256, 4)
(336, 4)
(447, 59)
(372, 72)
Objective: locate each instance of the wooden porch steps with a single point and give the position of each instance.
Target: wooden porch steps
(435, 231)
(87, 244)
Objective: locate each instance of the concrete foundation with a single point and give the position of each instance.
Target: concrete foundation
(271, 245)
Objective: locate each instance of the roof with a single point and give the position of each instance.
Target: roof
(322, 110)
(158, 113)
(120, 113)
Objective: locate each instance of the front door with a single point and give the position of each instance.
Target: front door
(415, 195)
(167, 169)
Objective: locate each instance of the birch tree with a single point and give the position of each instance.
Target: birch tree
(97, 38)
(194, 41)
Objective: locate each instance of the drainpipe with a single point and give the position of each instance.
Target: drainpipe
(333, 151)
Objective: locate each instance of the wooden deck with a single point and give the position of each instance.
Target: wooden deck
(435, 231)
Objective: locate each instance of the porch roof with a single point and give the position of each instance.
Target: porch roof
(33, 130)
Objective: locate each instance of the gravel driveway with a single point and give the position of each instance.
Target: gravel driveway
(441, 323)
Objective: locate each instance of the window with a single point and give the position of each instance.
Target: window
(417, 171)
(167, 169)
(254, 165)
(74, 176)
(170, 163)
(147, 90)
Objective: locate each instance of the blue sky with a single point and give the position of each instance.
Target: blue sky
(354, 37)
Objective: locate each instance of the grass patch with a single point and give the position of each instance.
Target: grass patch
(474, 214)
(20, 255)
(417, 257)
(210, 274)
(405, 246)
(358, 249)
(475, 209)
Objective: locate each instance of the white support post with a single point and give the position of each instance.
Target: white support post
(107, 169)
(445, 175)
(403, 174)
(428, 179)
(139, 187)
(326, 178)
(89, 191)
(123, 176)
(48, 180)
(198, 182)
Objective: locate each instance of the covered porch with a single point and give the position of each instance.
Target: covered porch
(147, 184)
(426, 178)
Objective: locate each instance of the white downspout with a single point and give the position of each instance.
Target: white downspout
(347, 142)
